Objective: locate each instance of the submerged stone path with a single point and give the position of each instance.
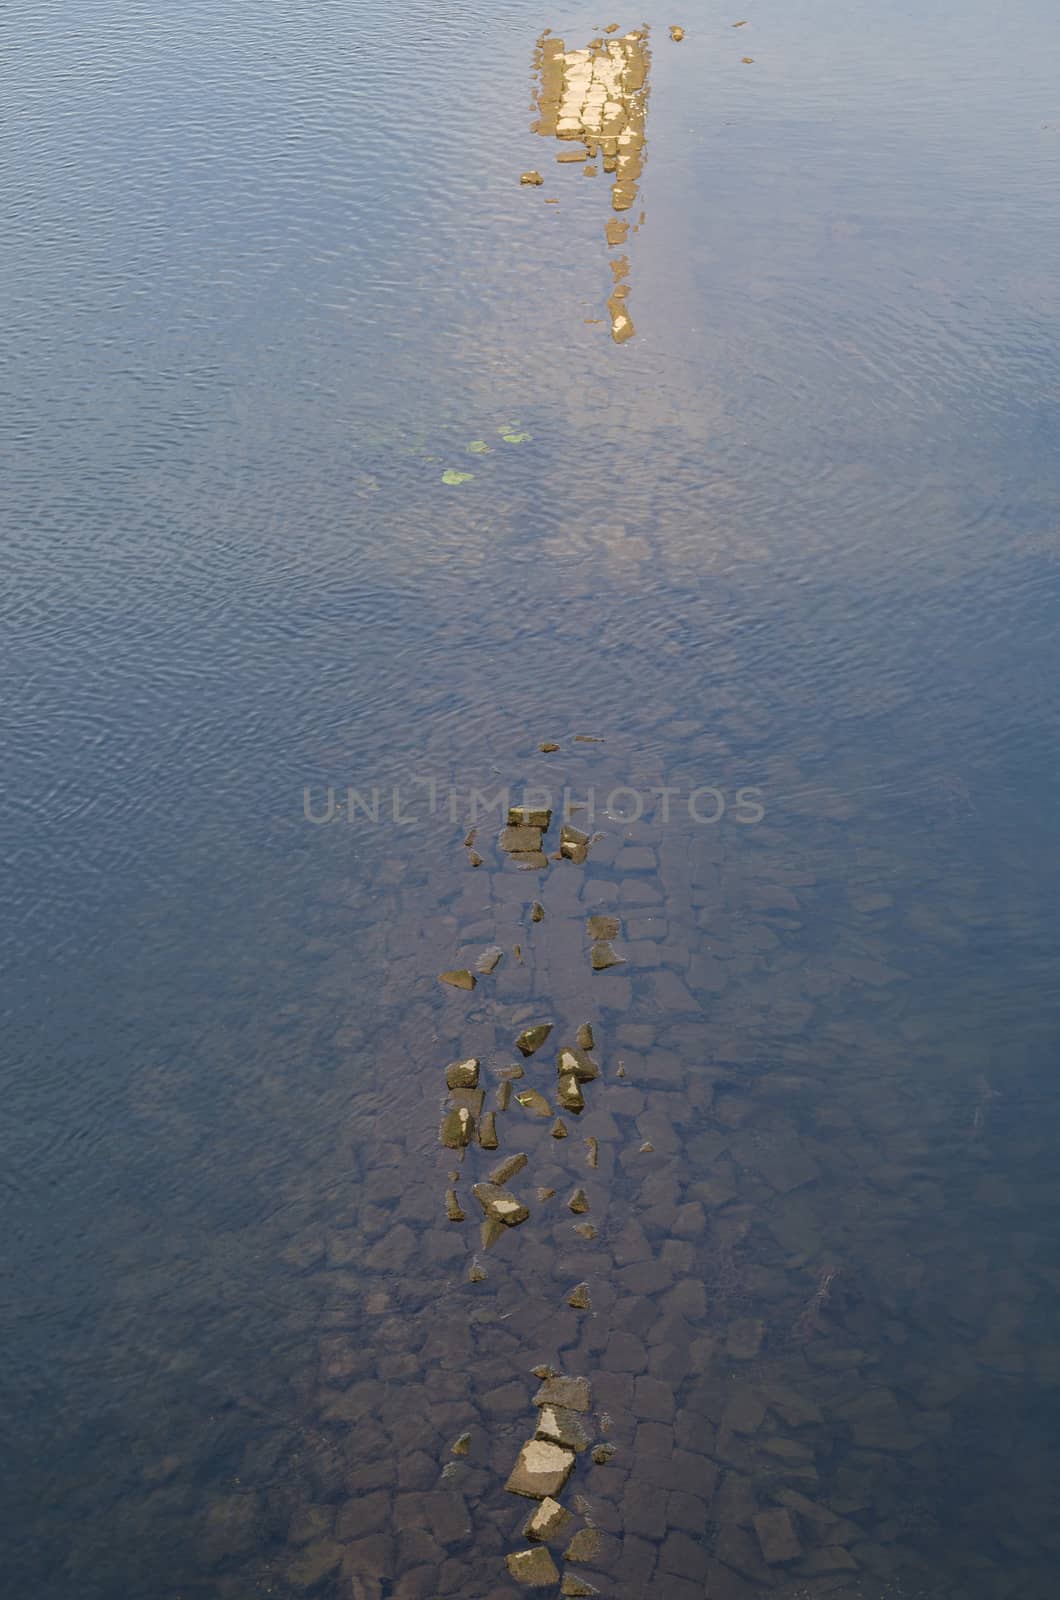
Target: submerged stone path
(734, 1235)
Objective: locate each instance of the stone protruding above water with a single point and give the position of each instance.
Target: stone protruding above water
(603, 955)
(458, 1128)
(546, 1521)
(500, 1205)
(579, 1298)
(562, 1426)
(507, 1169)
(575, 1588)
(489, 959)
(573, 843)
(462, 1074)
(534, 1569)
(541, 1470)
(537, 912)
(535, 1103)
(530, 817)
(584, 1036)
(532, 1039)
(578, 1202)
(577, 1063)
(458, 978)
(569, 1094)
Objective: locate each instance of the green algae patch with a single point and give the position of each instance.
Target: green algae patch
(452, 476)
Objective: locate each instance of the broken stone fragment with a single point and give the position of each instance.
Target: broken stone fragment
(487, 1131)
(569, 1095)
(543, 1372)
(574, 1588)
(579, 1298)
(579, 1201)
(474, 858)
(537, 912)
(520, 839)
(578, 1062)
(584, 1036)
(477, 1272)
(548, 747)
(470, 1099)
(576, 852)
(602, 1454)
(507, 1169)
(532, 1039)
(541, 1470)
(562, 1426)
(572, 1393)
(602, 927)
(489, 959)
(529, 817)
(533, 1102)
(459, 978)
(570, 835)
(531, 177)
(559, 1129)
(546, 1521)
(457, 1128)
(469, 837)
(777, 1536)
(534, 1569)
(602, 955)
(461, 1446)
(503, 1096)
(677, 34)
(585, 1546)
(462, 1074)
(592, 1151)
(646, 1148)
(500, 1204)
(587, 1230)
(453, 1209)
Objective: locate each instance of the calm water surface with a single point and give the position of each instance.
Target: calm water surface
(268, 274)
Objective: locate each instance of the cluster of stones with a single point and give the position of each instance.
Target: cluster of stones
(541, 1472)
(596, 101)
(523, 840)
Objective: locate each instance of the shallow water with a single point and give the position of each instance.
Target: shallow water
(268, 276)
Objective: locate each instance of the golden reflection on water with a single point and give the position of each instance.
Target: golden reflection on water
(596, 102)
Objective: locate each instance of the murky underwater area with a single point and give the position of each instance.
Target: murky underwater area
(701, 498)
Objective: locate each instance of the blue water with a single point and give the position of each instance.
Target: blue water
(267, 274)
